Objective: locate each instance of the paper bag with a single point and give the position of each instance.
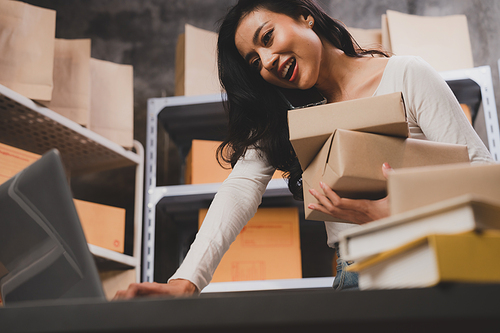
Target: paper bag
(368, 39)
(441, 41)
(112, 101)
(351, 164)
(71, 93)
(27, 35)
(196, 63)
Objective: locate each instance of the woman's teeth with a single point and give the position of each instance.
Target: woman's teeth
(284, 74)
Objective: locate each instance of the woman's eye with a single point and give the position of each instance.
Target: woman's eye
(267, 37)
(255, 64)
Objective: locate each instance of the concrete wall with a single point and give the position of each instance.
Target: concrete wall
(144, 32)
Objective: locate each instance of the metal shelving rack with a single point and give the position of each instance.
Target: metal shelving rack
(185, 115)
(28, 126)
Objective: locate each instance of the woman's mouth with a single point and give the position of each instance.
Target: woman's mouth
(288, 68)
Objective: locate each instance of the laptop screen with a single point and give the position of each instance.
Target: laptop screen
(43, 251)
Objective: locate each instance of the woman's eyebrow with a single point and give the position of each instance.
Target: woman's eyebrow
(257, 33)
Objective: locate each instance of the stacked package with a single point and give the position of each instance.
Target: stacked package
(345, 144)
(444, 228)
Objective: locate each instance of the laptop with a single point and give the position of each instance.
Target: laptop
(43, 251)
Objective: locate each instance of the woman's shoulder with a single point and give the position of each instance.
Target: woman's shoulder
(407, 62)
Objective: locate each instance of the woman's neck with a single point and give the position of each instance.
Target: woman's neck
(344, 78)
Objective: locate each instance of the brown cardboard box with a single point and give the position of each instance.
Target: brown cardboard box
(351, 164)
(432, 38)
(202, 166)
(311, 127)
(267, 248)
(13, 160)
(103, 225)
(417, 187)
(195, 74)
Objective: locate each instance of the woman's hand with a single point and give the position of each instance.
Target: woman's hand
(174, 288)
(358, 211)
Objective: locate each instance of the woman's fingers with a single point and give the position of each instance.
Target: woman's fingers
(353, 210)
(386, 169)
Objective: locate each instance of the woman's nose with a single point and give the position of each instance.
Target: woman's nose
(269, 61)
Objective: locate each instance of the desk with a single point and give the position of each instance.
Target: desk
(451, 308)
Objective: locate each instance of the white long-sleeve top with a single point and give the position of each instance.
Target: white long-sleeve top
(433, 113)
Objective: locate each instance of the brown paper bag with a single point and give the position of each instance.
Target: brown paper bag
(27, 35)
(441, 41)
(112, 101)
(71, 93)
(196, 63)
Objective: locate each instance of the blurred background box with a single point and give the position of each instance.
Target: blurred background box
(202, 166)
(267, 248)
(103, 225)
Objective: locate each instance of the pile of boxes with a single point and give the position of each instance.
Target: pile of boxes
(444, 227)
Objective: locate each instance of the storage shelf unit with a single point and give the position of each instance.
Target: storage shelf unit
(187, 118)
(28, 126)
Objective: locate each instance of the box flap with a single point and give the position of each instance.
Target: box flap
(383, 114)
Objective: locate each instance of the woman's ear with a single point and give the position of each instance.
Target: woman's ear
(309, 20)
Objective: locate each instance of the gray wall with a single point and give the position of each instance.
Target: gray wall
(143, 33)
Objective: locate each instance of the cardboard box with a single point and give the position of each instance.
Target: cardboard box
(417, 187)
(195, 74)
(13, 160)
(311, 127)
(351, 164)
(103, 225)
(432, 38)
(267, 248)
(464, 258)
(202, 166)
(456, 215)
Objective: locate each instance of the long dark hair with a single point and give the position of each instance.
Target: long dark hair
(257, 114)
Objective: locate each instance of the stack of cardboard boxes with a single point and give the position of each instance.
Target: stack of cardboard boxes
(444, 227)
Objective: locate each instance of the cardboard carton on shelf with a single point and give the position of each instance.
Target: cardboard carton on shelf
(417, 187)
(465, 258)
(202, 166)
(267, 248)
(350, 163)
(103, 225)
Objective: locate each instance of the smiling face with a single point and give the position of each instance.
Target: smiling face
(286, 52)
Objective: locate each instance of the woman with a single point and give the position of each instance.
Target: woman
(266, 45)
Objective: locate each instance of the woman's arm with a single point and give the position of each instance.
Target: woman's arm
(233, 206)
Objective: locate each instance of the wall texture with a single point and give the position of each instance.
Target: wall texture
(144, 33)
